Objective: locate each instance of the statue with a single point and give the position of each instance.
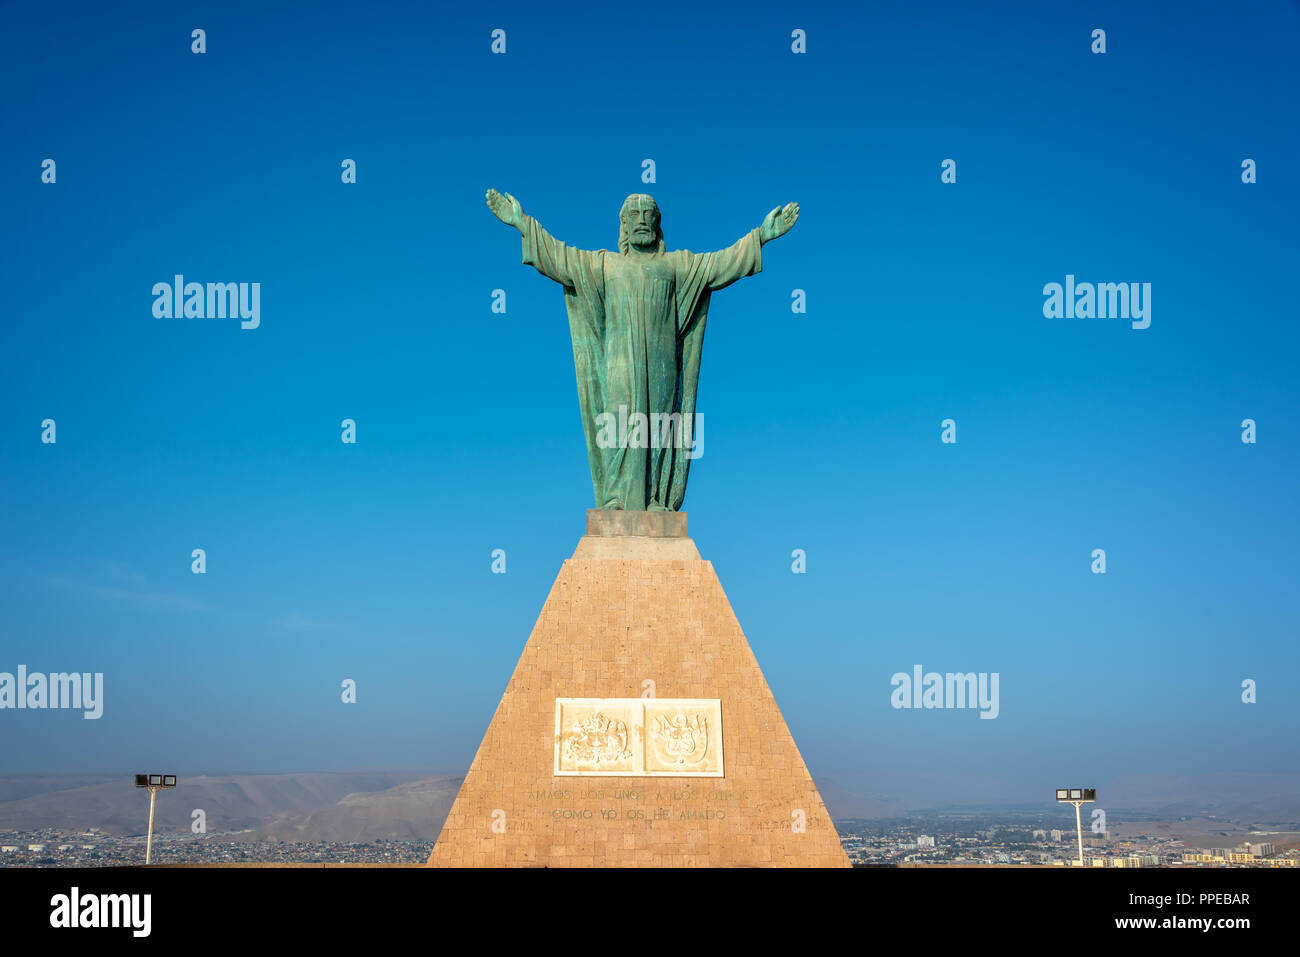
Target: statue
(637, 322)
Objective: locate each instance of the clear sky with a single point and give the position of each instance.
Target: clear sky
(372, 561)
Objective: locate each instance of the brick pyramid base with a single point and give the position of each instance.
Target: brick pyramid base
(608, 625)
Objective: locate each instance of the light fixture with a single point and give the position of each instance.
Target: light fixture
(155, 783)
(1078, 797)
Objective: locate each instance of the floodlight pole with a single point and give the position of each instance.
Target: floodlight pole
(148, 847)
(1078, 823)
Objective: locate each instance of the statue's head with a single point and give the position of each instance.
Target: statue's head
(638, 224)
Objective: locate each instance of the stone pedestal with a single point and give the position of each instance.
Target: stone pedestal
(637, 729)
(636, 536)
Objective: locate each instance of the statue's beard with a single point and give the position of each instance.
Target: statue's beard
(643, 240)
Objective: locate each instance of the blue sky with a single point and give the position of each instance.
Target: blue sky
(372, 561)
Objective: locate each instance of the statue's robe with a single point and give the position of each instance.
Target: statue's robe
(637, 324)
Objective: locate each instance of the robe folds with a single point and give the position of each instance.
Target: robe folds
(637, 324)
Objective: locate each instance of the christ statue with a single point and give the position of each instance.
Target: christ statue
(637, 317)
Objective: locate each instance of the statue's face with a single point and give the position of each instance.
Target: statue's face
(641, 223)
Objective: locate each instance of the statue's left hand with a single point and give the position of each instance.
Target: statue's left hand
(778, 222)
(505, 208)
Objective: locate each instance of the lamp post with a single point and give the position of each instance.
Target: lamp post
(1078, 797)
(155, 783)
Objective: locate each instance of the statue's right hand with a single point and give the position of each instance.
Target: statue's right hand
(505, 208)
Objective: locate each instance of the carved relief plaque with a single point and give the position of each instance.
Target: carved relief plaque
(639, 737)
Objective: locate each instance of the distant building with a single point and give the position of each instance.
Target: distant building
(1040, 835)
(924, 840)
(1056, 835)
(1246, 854)
(8, 848)
(1136, 860)
(35, 847)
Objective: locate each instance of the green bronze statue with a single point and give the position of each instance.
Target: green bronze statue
(637, 317)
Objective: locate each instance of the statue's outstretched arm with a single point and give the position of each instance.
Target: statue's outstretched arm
(743, 257)
(506, 208)
(552, 258)
(778, 222)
